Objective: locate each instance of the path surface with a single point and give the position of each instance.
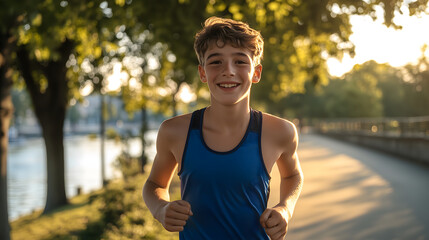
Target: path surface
(351, 192)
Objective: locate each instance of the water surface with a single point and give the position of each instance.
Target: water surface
(27, 168)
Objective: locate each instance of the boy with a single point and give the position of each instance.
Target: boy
(225, 152)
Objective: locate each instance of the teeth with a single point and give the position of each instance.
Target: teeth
(229, 85)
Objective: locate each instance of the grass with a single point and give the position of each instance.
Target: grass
(65, 223)
(115, 212)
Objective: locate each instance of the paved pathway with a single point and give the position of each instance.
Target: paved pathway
(351, 192)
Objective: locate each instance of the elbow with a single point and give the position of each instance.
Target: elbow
(151, 189)
(144, 190)
(148, 187)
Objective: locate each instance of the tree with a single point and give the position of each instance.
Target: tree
(141, 66)
(354, 96)
(177, 32)
(11, 16)
(299, 35)
(144, 95)
(417, 86)
(50, 109)
(47, 39)
(391, 84)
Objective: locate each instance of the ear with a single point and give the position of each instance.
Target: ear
(202, 74)
(257, 74)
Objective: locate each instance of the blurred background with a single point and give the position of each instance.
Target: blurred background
(84, 86)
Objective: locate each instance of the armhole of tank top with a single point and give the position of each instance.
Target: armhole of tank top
(186, 145)
(191, 124)
(260, 145)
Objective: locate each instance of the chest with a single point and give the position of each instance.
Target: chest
(243, 163)
(269, 153)
(223, 142)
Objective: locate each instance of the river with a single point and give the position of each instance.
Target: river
(26, 168)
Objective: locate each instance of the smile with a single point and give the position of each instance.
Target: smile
(228, 85)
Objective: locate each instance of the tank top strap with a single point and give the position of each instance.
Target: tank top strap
(255, 121)
(196, 119)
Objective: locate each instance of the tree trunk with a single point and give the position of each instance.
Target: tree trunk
(143, 130)
(174, 105)
(6, 109)
(173, 99)
(52, 126)
(7, 42)
(50, 108)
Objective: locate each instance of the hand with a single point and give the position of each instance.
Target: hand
(275, 223)
(174, 215)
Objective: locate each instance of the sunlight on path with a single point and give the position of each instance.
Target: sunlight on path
(344, 199)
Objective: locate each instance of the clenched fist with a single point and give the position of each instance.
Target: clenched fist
(275, 223)
(174, 215)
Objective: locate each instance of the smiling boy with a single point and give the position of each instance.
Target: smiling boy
(225, 152)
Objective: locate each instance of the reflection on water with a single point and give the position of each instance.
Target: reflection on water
(27, 168)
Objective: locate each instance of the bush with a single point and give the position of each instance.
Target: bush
(126, 214)
(128, 165)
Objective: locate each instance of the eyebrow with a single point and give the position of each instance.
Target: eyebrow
(218, 54)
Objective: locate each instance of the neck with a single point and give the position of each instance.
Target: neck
(228, 117)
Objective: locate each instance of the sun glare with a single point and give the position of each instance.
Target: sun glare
(186, 94)
(116, 79)
(374, 41)
(86, 89)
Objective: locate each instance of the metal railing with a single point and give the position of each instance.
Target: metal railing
(389, 127)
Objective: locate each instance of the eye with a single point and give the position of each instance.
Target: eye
(215, 62)
(240, 61)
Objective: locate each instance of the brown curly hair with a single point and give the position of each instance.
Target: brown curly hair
(226, 31)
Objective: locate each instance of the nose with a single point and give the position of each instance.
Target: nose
(228, 70)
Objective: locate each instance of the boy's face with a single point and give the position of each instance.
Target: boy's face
(229, 73)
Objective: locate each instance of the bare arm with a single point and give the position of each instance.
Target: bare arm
(172, 215)
(292, 179)
(275, 220)
(290, 189)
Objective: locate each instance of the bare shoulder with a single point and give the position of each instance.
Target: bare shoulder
(171, 134)
(175, 129)
(279, 129)
(279, 141)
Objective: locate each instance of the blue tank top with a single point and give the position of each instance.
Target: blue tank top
(228, 191)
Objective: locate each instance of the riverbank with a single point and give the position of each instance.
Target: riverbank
(27, 175)
(114, 212)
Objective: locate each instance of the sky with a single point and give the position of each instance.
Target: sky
(374, 41)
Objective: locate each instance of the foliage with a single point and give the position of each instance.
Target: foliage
(369, 90)
(417, 87)
(128, 166)
(123, 212)
(348, 98)
(132, 219)
(300, 35)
